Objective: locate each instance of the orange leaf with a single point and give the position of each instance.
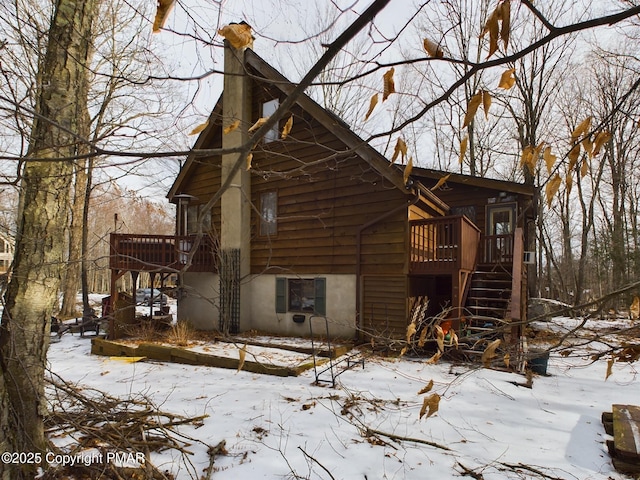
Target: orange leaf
(249, 160)
(432, 48)
(261, 121)
(389, 85)
(199, 128)
(610, 363)
(581, 129)
(600, 140)
(287, 128)
(463, 148)
(434, 359)
(549, 159)
(573, 156)
(587, 144)
(490, 352)
(232, 127)
(372, 104)
(242, 354)
(492, 27)
(584, 169)
(472, 108)
(400, 149)
(441, 182)
(237, 34)
(552, 188)
(486, 102)
(569, 182)
(529, 158)
(407, 170)
(507, 80)
(505, 14)
(427, 388)
(162, 12)
(430, 405)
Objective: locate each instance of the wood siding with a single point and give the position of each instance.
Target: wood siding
(384, 306)
(325, 194)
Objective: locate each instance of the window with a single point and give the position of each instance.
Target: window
(268, 109)
(192, 219)
(301, 295)
(268, 213)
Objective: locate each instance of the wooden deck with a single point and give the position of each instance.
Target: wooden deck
(443, 245)
(161, 253)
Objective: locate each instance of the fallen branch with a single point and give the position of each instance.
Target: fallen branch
(368, 432)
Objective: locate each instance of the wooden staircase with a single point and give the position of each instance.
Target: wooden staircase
(489, 298)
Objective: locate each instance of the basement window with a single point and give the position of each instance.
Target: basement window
(268, 109)
(301, 295)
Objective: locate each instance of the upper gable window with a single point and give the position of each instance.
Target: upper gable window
(268, 109)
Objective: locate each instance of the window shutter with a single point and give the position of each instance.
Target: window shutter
(320, 302)
(281, 295)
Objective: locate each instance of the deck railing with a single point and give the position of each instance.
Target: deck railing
(497, 249)
(443, 244)
(161, 252)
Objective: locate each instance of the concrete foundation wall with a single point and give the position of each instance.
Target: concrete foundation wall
(341, 308)
(259, 294)
(200, 301)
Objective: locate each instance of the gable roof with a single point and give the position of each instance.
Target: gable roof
(326, 118)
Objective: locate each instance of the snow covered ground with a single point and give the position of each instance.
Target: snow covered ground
(488, 425)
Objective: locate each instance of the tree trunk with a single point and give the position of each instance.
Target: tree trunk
(39, 255)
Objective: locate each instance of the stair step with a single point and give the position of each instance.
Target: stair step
(488, 299)
(485, 308)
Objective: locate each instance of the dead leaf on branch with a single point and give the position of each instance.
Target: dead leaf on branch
(286, 130)
(584, 169)
(553, 185)
(490, 353)
(506, 359)
(573, 156)
(498, 26)
(411, 330)
(569, 182)
(261, 121)
(581, 129)
(430, 405)
(463, 148)
(549, 159)
(372, 104)
(427, 388)
(237, 34)
(507, 80)
(441, 182)
(242, 353)
(486, 102)
(399, 149)
(432, 48)
(199, 128)
(230, 128)
(600, 140)
(434, 358)
(249, 160)
(472, 108)
(610, 363)
(407, 170)
(440, 338)
(162, 12)
(389, 84)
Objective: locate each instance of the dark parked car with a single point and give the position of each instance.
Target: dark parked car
(144, 296)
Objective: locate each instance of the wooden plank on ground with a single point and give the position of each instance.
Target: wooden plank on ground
(626, 432)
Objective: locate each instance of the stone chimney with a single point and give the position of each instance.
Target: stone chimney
(235, 234)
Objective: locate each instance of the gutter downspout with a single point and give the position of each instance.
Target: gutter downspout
(362, 228)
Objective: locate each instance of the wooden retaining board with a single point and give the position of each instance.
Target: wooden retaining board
(623, 423)
(167, 353)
